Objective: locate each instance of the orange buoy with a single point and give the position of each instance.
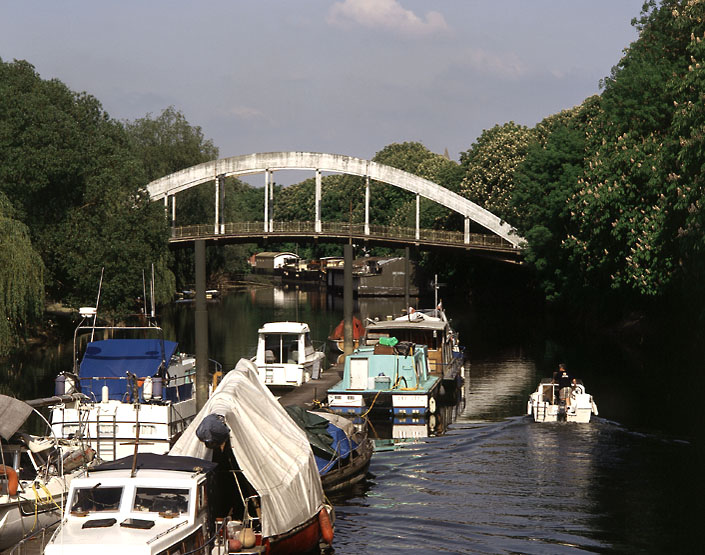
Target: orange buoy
(326, 526)
(12, 480)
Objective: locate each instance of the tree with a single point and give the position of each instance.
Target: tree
(489, 166)
(21, 279)
(73, 180)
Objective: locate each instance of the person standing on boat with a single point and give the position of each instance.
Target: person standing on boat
(565, 384)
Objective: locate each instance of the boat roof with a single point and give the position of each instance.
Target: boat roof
(406, 323)
(113, 357)
(153, 461)
(284, 327)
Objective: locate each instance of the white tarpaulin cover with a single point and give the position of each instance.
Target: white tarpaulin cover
(272, 451)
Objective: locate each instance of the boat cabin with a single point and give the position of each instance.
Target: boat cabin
(159, 508)
(286, 356)
(386, 377)
(422, 327)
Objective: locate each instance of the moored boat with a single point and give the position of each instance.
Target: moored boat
(265, 464)
(35, 473)
(336, 339)
(341, 448)
(385, 379)
(545, 406)
(127, 382)
(429, 327)
(286, 357)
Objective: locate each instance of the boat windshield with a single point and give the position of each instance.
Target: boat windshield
(281, 348)
(96, 499)
(161, 500)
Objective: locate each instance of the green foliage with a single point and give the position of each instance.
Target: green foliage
(21, 279)
(489, 166)
(71, 175)
(168, 143)
(542, 183)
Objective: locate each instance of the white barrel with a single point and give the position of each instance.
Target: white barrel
(147, 389)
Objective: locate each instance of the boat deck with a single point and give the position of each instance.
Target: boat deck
(307, 393)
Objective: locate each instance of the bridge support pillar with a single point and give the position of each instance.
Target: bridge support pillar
(418, 215)
(318, 227)
(173, 210)
(467, 230)
(407, 277)
(201, 325)
(347, 299)
(367, 205)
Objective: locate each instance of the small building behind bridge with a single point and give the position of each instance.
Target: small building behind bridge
(268, 262)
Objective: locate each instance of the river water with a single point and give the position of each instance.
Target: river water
(485, 478)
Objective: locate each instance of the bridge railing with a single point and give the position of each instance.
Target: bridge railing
(344, 229)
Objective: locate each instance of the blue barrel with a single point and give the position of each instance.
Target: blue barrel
(60, 384)
(157, 388)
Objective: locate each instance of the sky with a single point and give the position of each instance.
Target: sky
(338, 76)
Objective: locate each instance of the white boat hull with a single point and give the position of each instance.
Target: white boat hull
(542, 407)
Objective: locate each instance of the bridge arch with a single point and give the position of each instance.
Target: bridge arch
(269, 162)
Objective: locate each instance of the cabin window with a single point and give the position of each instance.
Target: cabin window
(96, 499)
(308, 345)
(281, 348)
(161, 500)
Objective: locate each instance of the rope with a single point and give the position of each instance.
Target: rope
(372, 405)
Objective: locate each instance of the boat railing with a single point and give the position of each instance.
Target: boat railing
(175, 389)
(28, 544)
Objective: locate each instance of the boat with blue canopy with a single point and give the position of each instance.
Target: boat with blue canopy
(341, 448)
(136, 385)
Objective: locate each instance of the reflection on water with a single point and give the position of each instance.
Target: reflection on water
(481, 477)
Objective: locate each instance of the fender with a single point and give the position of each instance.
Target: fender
(12, 479)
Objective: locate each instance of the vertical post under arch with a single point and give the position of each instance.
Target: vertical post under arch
(318, 227)
(467, 230)
(271, 200)
(367, 205)
(266, 201)
(216, 224)
(418, 215)
(173, 210)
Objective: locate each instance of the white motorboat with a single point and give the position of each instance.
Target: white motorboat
(286, 356)
(545, 406)
(143, 504)
(126, 381)
(35, 473)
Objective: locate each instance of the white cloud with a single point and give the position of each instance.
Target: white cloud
(388, 15)
(505, 64)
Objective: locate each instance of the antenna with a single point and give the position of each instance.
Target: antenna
(144, 294)
(97, 301)
(152, 292)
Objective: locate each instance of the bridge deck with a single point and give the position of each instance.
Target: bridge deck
(338, 231)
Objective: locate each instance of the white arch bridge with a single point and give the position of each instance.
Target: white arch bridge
(502, 241)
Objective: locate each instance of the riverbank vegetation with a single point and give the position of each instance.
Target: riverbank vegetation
(608, 194)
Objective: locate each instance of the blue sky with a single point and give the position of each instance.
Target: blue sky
(338, 76)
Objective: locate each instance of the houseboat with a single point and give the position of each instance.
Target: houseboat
(286, 357)
(429, 327)
(386, 379)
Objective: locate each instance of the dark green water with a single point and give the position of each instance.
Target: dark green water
(495, 481)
